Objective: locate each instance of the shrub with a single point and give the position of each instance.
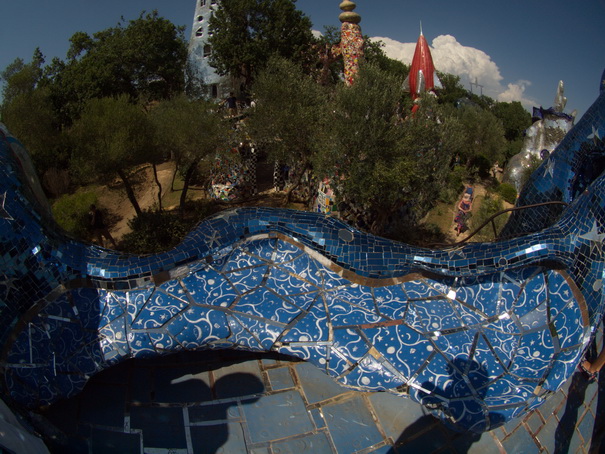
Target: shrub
(71, 212)
(154, 231)
(508, 192)
(455, 184)
(482, 165)
(489, 207)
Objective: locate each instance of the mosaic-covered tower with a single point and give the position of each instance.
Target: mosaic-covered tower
(200, 49)
(351, 44)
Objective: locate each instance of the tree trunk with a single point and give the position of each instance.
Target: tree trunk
(176, 169)
(187, 179)
(157, 181)
(130, 192)
(297, 184)
(380, 221)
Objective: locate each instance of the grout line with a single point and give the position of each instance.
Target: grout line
(187, 427)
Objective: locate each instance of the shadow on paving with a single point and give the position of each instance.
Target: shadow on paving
(463, 392)
(597, 444)
(575, 400)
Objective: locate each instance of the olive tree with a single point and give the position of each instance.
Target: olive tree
(112, 136)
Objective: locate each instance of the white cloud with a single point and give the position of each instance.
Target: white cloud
(470, 64)
(515, 92)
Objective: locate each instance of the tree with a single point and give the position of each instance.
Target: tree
(28, 112)
(515, 119)
(484, 133)
(290, 110)
(452, 90)
(374, 54)
(377, 162)
(192, 131)
(144, 60)
(21, 78)
(112, 136)
(323, 63)
(244, 34)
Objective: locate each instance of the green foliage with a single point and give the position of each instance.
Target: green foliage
(244, 34)
(484, 134)
(154, 232)
(480, 165)
(452, 89)
(190, 131)
(71, 212)
(30, 116)
(508, 192)
(515, 119)
(21, 78)
(379, 161)
(512, 148)
(144, 60)
(374, 54)
(455, 184)
(289, 113)
(27, 110)
(489, 206)
(111, 136)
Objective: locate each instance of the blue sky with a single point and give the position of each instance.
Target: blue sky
(516, 49)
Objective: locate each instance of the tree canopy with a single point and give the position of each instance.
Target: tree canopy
(144, 60)
(376, 159)
(112, 135)
(244, 34)
(515, 119)
(119, 99)
(28, 111)
(290, 110)
(191, 131)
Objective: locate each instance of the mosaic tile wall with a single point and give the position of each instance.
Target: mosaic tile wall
(479, 334)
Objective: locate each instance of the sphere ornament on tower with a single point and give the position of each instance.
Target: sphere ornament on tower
(349, 15)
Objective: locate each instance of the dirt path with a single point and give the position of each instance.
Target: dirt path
(114, 201)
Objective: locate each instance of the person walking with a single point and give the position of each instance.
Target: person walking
(231, 102)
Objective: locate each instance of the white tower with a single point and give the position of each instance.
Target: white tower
(200, 50)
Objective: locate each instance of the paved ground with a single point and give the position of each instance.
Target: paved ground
(234, 402)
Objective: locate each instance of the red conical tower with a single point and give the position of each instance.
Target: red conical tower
(423, 76)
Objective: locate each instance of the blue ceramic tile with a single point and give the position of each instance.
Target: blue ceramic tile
(277, 416)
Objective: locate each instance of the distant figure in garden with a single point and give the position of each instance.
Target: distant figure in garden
(464, 208)
(466, 203)
(496, 171)
(98, 227)
(231, 102)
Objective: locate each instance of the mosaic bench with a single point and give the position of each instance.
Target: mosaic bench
(479, 334)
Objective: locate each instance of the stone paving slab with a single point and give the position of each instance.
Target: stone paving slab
(242, 402)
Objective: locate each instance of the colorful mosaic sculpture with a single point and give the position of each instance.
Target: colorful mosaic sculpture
(351, 41)
(479, 334)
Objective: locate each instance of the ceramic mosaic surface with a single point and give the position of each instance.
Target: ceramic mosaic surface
(351, 41)
(479, 334)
